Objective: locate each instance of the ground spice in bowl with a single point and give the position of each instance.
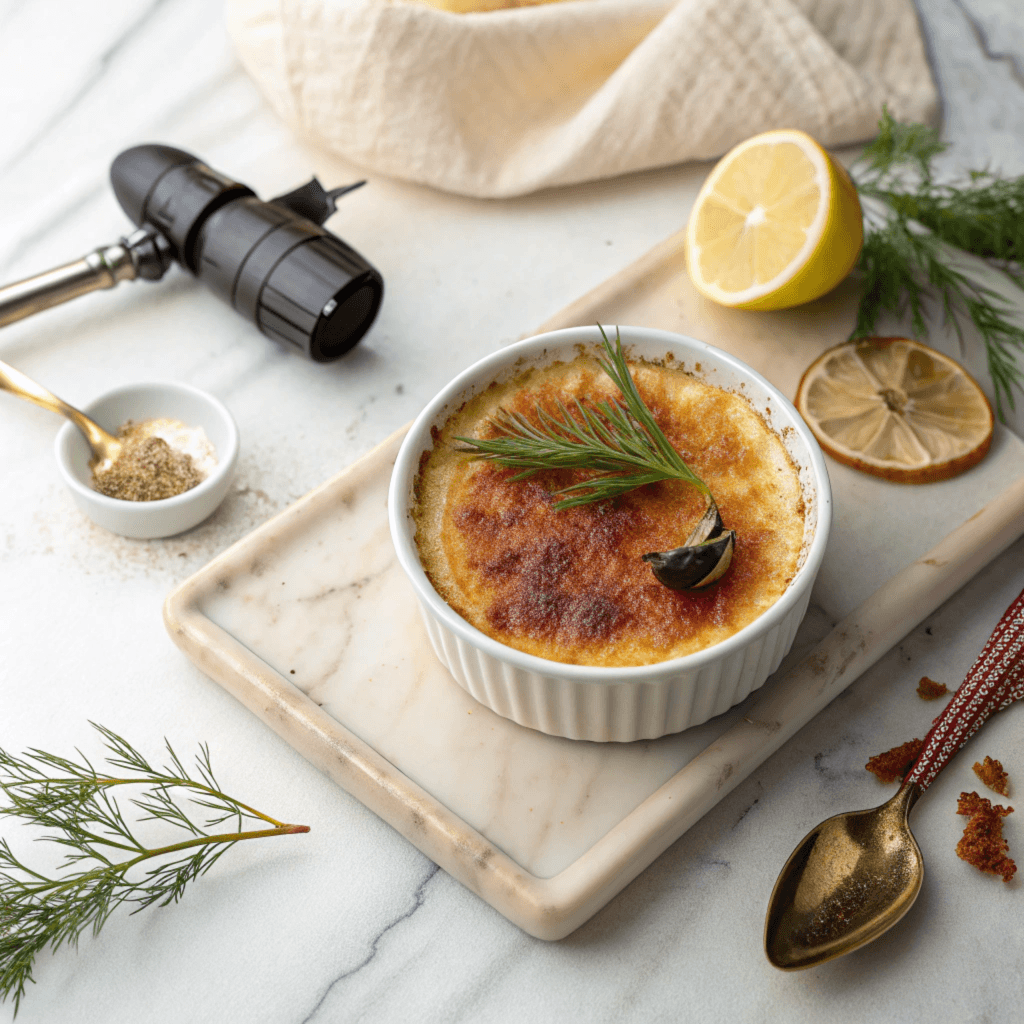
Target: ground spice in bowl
(160, 459)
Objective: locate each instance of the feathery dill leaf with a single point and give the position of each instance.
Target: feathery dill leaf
(77, 806)
(620, 441)
(913, 229)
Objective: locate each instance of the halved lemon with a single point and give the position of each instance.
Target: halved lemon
(776, 224)
(897, 409)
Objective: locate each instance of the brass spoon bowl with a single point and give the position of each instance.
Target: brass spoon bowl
(855, 875)
(105, 447)
(851, 879)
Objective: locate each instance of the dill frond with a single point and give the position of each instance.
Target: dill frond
(102, 865)
(619, 441)
(915, 232)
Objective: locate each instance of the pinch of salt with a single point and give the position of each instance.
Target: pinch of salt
(191, 441)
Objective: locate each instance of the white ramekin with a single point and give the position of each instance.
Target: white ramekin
(620, 704)
(146, 520)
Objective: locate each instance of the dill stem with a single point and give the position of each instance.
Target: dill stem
(58, 886)
(161, 781)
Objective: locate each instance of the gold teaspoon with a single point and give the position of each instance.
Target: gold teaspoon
(855, 875)
(105, 447)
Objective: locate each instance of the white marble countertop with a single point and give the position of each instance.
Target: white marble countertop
(351, 922)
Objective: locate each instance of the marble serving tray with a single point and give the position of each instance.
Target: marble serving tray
(310, 623)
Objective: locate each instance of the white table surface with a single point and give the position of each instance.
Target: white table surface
(350, 922)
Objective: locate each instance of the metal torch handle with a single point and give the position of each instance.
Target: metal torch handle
(103, 268)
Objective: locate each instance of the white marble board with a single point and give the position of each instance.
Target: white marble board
(310, 622)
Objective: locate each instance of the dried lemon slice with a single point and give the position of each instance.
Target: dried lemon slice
(776, 224)
(896, 408)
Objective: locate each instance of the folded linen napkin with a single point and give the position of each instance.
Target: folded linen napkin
(501, 103)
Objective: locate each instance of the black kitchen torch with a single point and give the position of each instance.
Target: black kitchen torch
(273, 262)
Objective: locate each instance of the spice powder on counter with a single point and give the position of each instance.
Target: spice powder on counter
(160, 458)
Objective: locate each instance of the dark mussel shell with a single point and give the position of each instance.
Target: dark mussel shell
(701, 561)
(690, 568)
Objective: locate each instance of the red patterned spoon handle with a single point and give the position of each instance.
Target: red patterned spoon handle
(995, 681)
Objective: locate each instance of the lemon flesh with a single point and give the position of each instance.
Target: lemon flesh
(896, 408)
(776, 224)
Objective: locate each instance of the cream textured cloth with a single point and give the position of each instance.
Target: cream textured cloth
(507, 102)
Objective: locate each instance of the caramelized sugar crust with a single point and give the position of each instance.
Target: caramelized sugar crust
(570, 586)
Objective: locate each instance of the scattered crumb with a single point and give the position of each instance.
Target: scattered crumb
(971, 803)
(928, 689)
(894, 764)
(983, 844)
(992, 774)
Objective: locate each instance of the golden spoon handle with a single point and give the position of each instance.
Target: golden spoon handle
(995, 681)
(103, 444)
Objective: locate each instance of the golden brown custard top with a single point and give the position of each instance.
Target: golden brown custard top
(570, 586)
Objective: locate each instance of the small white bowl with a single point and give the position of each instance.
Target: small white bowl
(621, 704)
(145, 520)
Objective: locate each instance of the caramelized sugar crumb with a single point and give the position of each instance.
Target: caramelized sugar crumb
(894, 764)
(983, 844)
(928, 689)
(971, 803)
(992, 775)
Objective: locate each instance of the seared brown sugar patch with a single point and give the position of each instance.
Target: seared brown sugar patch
(570, 586)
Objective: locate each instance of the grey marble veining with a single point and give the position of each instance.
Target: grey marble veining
(351, 922)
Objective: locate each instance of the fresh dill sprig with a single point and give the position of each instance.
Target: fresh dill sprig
(619, 441)
(915, 233)
(76, 803)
